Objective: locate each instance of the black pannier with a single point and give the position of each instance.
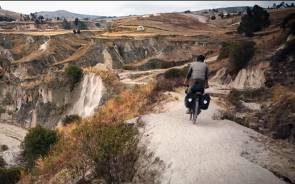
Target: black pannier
(205, 101)
(189, 100)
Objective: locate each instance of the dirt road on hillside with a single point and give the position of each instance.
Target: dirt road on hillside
(212, 151)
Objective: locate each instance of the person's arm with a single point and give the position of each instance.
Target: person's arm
(189, 74)
(206, 77)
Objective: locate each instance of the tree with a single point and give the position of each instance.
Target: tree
(83, 25)
(33, 16)
(37, 143)
(40, 19)
(26, 17)
(255, 20)
(74, 73)
(66, 24)
(37, 19)
(274, 5)
(288, 23)
(97, 24)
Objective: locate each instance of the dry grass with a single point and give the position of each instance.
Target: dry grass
(216, 65)
(31, 57)
(163, 24)
(77, 54)
(79, 145)
(107, 75)
(276, 16)
(110, 79)
(280, 92)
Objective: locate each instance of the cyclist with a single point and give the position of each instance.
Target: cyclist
(197, 76)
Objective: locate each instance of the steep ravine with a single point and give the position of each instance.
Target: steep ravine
(33, 88)
(45, 109)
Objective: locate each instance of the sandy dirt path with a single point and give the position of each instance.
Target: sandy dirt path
(210, 152)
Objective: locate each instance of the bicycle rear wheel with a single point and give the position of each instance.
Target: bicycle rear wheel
(195, 110)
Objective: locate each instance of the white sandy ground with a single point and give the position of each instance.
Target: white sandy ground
(209, 152)
(11, 136)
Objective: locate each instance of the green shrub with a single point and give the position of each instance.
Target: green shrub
(97, 24)
(225, 50)
(112, 147)
(3, 147)
(2, 110)
(70, 119)
(128, 67)
(116, 152)
(83, 25)
(250, 95)
(171, 79)
(255, 20)
(8, 100)
(176, 73)
(74, 73)
(151, 64)
(2, 162)
(37, 143)
(240, 55)
(157, 63)
(9, 176)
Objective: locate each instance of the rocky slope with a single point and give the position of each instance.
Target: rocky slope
(33, 86)
(263, 92)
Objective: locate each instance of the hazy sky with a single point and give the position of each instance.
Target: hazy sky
(120, 8)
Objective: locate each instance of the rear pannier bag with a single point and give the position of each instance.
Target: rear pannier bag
(189, 100)
(205, 101)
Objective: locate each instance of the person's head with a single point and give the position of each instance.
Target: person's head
(201, 58)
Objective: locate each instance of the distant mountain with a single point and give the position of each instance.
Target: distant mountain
(233, 9)
(69, 15)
